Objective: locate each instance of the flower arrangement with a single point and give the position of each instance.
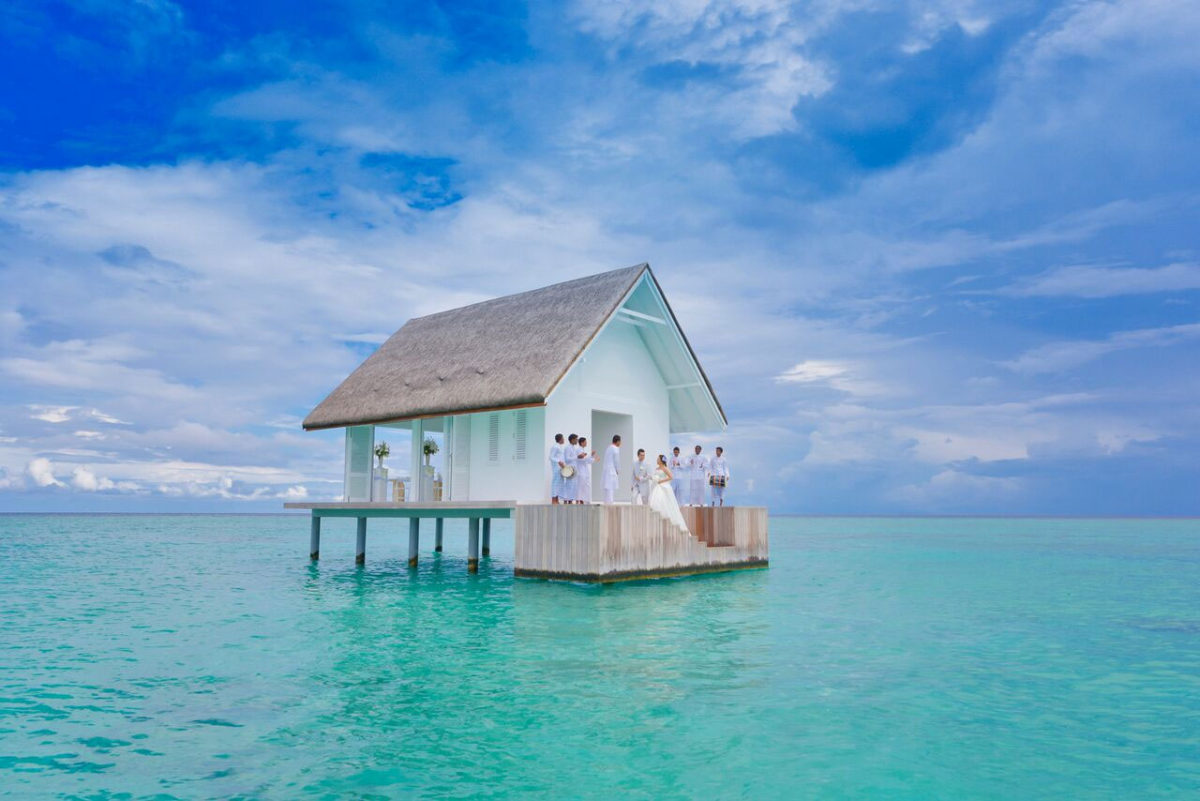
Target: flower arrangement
(429, 447)
(382, 451)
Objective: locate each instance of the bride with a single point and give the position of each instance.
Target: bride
(662, 497)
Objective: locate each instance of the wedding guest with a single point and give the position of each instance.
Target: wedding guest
(698, 465)
(612, 469)
(586, 458)
(677, 469)
(719, 469)
(556, 466)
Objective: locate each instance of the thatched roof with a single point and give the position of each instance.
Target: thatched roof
(504, 353)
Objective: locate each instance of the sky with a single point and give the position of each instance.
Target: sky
(937, 257)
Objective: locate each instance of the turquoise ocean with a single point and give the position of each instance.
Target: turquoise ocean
(206, 657)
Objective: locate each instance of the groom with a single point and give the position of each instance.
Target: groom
(612, 468)
(641, 478)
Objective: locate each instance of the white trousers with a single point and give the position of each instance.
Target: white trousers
(696, 495)
(680, 488)
(608, 495)
(718, 495)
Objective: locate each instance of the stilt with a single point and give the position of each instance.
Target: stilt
(414, 540)
(473, 546)
(314, 542)
(487, 536)
(437, 534)
(360, 550)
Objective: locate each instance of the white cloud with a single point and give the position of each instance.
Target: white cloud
(367, 339)
(843, 376)
(761, 41)
(956, 489)
(41, 471)
(63, 414)
(1066, 355)
(102, 417)
(8, 482)
(52, 414)
(1106, 282)
(87, 481)
(984, 444)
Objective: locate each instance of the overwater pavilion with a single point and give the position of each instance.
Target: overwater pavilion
(494, 381)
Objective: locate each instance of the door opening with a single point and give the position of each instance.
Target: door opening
(604, 425)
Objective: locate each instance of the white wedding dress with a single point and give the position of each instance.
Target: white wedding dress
(662, 500)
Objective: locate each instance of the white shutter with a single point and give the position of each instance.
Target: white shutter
(460, 481)
(494, 437)
(360, 447)
(521, 435)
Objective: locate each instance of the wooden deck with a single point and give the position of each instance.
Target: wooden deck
(620, 543)
(592, 543)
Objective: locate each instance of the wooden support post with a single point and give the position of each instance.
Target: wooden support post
(487, 536)
(360, 550)
(473, 546)
(414, 540)
(314, 541)
(437, 534)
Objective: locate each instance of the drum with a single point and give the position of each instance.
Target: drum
(568, 471)
(716, 481)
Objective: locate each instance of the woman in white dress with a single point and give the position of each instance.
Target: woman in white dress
(662, 497)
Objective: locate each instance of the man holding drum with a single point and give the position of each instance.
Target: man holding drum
(719, 477)
(571, 470)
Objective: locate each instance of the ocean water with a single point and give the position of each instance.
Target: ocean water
(205, 657)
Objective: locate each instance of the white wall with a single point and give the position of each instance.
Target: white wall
(615, 374)
(507, 476)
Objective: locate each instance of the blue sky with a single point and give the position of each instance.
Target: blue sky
(937, 257)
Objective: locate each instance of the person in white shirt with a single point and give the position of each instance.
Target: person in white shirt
(719, 470)
(642, 476)
(612, 469)
(571, 459)
(699, 467)
(556, 466)
(586, 458)
(678, 483)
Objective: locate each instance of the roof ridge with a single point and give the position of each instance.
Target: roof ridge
(639, 267)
